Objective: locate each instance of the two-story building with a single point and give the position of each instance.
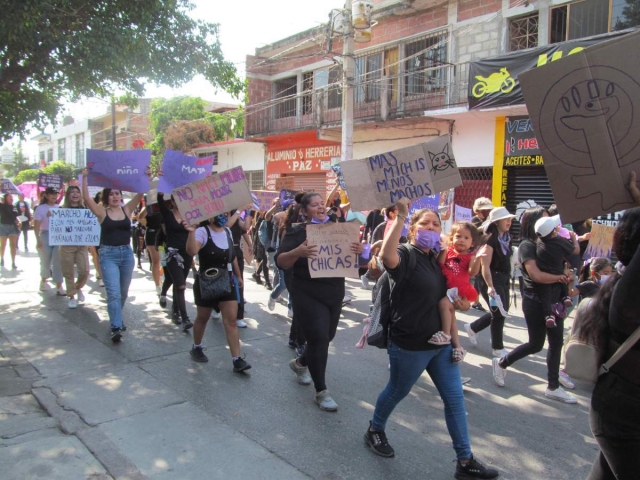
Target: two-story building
(412, 82)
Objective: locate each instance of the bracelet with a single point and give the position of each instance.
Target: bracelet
(403, 217)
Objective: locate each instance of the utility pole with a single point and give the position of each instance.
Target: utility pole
(113, 123)
(348, 79)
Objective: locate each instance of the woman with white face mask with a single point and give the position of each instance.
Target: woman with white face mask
(595, 273)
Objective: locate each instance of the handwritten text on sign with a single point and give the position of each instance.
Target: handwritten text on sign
(213, 195)
(335, 258)
(73, 226)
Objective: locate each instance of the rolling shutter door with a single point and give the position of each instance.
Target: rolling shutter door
(311, 182)
(527, 183)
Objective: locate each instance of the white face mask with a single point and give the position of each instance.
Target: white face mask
(603, 279)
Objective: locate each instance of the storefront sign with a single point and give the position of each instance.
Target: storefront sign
(520, 145)
(584, 110)
(334, 258)
(314, 159)
(493, 82)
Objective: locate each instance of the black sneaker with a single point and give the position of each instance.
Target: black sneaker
(186, 324)
(124, 327)
(378, 444)
(198, 355)
(256, 278)
(478, 307)
(163, 301)
(293, 344)
(116, 335)
(240, 365)
(268, 286)
(175, 318)
(475, 469)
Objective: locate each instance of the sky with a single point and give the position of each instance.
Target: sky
(244, 26)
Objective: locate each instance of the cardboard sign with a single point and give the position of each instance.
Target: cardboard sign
(46, 180)
(73, 226)
(213, 195)
(335, 258)
(122, 170)
(601, 241)
(179, 169)
(263, 199)
(462, 214)
(585, 110)
(285, 183)
(9, 187)
(412, 172)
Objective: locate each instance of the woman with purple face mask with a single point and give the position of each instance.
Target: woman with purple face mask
(414, 319)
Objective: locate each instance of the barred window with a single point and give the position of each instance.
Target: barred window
(255, 178)
(285, 88)
(307, 95)
(422, 56)
(368, 75)
(523, 33)
(61, 149)
(335, 91)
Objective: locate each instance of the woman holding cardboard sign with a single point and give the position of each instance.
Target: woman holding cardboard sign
(116, 255)
(317, 302)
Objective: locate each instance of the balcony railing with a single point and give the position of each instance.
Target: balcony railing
(386, 98)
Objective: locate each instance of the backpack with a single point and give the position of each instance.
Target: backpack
(263, 233)
(382, 303)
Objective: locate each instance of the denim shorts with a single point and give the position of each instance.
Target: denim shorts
(7, 230)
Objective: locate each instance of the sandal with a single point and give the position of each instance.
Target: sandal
(440, 338)
(458, 354)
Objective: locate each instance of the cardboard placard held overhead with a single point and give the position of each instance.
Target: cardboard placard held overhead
(180, 169)
(213, 195)
(585, 111)
(285, 183)
(9, 187)
(73, 226)
(263, 199)
(601, 241)
(335, 258)
(413, 172)
(463, 214)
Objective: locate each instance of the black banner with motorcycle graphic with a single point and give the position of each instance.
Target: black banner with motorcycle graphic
(493, 82)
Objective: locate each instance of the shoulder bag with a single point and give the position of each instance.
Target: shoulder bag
(216, 282)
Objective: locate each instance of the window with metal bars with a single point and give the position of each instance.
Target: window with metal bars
(62, 149)
(581, 19)
(523, 33)
(335, 91)
(80, 149)
(368, 75)
(285, 88)
(255, 179)
(307, 93)
(476, 183)
(431, 52)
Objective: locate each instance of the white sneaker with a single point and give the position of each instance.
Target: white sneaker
(498, 372)
(499, 353)
(325, 402)
(215, 315)
(61, 292)
(347, 299)
(565, 381)
(473, 336)
(271, 304)
(80, 295)
(241, 324)
(43, 285)
(365, 282)
(158, 290)
(73, 303)
(302, 373)
(465, 380)
(101, 283)
(290, 313)
(560, 395)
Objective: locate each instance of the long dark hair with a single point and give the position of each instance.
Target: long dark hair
(528, 223)
(594, 324)
(596, 264)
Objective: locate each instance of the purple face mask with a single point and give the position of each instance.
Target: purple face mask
(428, 240)
(326, 219)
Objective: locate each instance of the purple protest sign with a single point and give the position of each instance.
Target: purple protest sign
(46, 180)
(9, 187)
(180, 169)
(119, 169)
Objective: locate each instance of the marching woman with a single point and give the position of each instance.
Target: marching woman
(9, 228)
(116, 255)
(178, 260)
(317, 302)
(415, 318)
(74, 255)
(153, 223)
(49, 256)
(213, 244)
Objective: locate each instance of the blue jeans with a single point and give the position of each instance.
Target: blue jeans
(278, 284)
(49, 259)
(406, 368)
(117, 265)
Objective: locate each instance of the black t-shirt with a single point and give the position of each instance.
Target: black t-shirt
(236, 233)
(526, 252)
(8, 214)
(499, 261)
(551, 253)
(580, 229)
(176, 235)
(374, 219)
(587, 289)
(415, 315)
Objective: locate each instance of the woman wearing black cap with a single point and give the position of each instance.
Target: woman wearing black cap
(49, 256)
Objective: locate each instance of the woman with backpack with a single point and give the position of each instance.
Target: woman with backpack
(611, 318)
(317, 302)
(414, 320)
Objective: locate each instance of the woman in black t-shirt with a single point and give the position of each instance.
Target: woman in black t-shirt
(316, 302)
(8, 228)
(414, 319)
(534, 315)
(496, 272)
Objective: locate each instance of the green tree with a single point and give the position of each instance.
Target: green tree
(59, 167)
(30, 175)
(66, 49)
(630, 15)
(20, 162)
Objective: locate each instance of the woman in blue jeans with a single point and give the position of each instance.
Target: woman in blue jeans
(414, 319)
(116, 255)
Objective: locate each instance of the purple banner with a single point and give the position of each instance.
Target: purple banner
(431, 202)
(9, 187)
(46, 180)
(119, 169)
(180, 170)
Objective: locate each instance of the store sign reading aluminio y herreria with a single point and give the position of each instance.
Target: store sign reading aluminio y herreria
(493, 82)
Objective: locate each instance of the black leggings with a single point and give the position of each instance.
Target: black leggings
(494, 317)
(295, 332)
(240, 257)
(179, 277)
(534, 316)
(319, 322)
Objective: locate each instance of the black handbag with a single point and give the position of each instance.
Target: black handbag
(216, 282)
